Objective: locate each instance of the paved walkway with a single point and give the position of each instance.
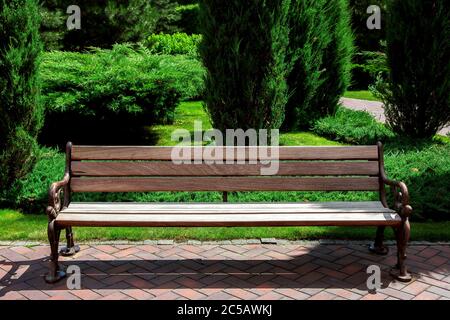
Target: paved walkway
(225, 271)
(375, 108)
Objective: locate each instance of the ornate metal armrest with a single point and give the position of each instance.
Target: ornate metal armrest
(401, 197)
(54, 197)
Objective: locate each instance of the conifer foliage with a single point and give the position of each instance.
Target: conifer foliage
(21, 114)
(416, 94)
(320, 53)
(244, 51)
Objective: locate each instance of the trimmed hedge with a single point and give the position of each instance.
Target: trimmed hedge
(177, 43)
(107, 90)
(353, 127)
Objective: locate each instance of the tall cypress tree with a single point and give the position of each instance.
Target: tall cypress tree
(21, 114)
(308, 37)
(320, 52)
(243, 49)
(416, 94)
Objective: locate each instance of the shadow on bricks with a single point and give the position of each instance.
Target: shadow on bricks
(213, 267)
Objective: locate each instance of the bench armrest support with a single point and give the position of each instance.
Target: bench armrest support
(401, 196)
(399, 189)
(54, 197)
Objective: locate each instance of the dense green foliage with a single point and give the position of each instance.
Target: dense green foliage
(189, 21)
(366, 40)
(353, 127)
(320, 51)
(425, 169)
(309, 36)
(106, 22)
(416, 93)
(177, 43)
(120, 88)
(336, 62)
(20, 109)
(243, 50)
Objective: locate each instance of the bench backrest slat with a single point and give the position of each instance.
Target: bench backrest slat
(165, 153)
(222, 184)
(167, 168)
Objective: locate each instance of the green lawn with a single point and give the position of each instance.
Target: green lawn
(188, 112)
(17, 226)
(362, 95)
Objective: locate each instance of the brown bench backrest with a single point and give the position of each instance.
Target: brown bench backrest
(145, 169)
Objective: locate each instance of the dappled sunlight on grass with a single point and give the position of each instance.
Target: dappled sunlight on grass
(188, 112)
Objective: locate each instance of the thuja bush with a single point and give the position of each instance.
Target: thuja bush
(320, 53)
(21, 113)
(308, 38)
(416, 93)
(243, 49)
(106, 22)
(336, 61)
(177, 43)
(122, 88)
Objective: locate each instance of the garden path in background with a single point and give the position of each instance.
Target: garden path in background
(375, 108)
(238, 269)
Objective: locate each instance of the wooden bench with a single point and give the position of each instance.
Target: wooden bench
(149, 169)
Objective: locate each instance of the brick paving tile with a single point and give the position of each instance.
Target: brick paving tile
(292, 293)
(439, 291)
(398, 294)
(221, 296)
(374, 296)
(13, 295)
(189, 294)
(86, 294)
(426, 296)
(415, 288)
(344, 293)
(323, 295)
(34, 294)
(271, 296)
(241, 293)
(428, 252)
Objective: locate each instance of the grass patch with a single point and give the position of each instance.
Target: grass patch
(17, 226)
(361, 94)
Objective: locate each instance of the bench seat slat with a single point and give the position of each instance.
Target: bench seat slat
(223, 184)
(182, 220)
(167, 168)
(226, 208)
(165, 153)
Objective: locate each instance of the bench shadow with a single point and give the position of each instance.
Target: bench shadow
(311, 270)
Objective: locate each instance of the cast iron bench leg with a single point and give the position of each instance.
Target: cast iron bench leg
(55, 273)
(378, 247)
(71, 249)
(400, 271)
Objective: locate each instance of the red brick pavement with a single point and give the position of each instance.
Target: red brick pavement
(215, 271)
